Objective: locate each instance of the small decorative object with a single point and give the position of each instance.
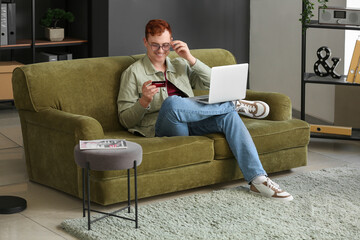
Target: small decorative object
(50, 21)
(322, 61)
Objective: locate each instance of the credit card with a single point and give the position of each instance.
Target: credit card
(159, 83)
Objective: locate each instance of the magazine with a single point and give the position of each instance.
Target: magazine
(102, 144)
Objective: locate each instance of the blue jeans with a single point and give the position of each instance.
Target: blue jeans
(184, 117)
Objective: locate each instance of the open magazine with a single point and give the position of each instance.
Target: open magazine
(102, 144)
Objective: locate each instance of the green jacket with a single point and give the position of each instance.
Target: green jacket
(141, 120)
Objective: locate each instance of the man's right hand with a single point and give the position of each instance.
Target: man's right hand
(148, 92)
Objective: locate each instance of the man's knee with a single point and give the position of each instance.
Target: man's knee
(233, 119)
(233, 116)
(170, 103)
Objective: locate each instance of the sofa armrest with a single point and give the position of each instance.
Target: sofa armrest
(80, 127)
(49, 139)
(280, 104)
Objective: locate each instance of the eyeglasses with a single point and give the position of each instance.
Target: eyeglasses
(155, 46)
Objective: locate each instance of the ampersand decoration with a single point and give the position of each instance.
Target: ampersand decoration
(322, 61)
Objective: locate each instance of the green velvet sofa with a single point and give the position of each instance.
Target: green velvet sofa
(60, 103)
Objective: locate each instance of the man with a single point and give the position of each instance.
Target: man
(152, 111)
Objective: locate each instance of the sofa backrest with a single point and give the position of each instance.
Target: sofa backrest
(211, 57)
(86, 86)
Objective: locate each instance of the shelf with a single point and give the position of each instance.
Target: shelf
(316, 24)
(65, 42)
(355, 135)
(313, 78)
(26, 43)
(19, 44)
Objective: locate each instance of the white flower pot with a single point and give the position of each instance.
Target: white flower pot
(54, 34)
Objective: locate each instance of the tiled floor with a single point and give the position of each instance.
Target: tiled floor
(47, 208)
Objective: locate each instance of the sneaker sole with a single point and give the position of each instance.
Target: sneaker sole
(287, 199)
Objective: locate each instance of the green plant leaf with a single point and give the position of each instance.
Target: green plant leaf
(307, 13)
(53, 16)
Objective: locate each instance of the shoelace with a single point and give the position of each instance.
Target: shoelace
(246, 107)
(273, 185)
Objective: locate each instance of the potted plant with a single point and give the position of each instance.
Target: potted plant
(307, 13)
(50, 21)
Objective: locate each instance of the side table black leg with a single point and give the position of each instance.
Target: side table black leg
(128, 182)
(88, 193)
(136, 198)
(83, 189)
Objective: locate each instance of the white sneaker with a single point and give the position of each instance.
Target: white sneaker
(253, 109)
(270, 189)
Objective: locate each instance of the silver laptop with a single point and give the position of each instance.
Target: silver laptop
(227, 83)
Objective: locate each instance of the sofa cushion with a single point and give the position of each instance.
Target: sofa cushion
(269, 136)
(165, 152)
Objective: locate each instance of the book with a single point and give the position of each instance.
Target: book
(331, 129)
(46, 57)
(3, 23)
(354, 62)
(62, 55)
(357, 75)
(103, 144)
(11, 20)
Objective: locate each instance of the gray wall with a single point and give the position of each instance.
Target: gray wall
(200, 23)
(117, 26)
(275, 54)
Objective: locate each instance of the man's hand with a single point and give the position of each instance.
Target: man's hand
(148, 92)
(182, 49)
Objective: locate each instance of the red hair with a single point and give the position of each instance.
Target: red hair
(156, 27)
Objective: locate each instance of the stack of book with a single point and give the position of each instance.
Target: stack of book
(354, 69)
(53, 56)
(8, 22)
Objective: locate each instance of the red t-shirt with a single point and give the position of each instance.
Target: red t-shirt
(172, 89)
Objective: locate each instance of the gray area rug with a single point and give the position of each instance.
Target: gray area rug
(326, 206)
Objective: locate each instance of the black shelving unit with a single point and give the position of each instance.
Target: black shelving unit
(311, 78)
(34, 43)
(30, 38)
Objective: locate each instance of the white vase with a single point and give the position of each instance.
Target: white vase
(54, 34)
